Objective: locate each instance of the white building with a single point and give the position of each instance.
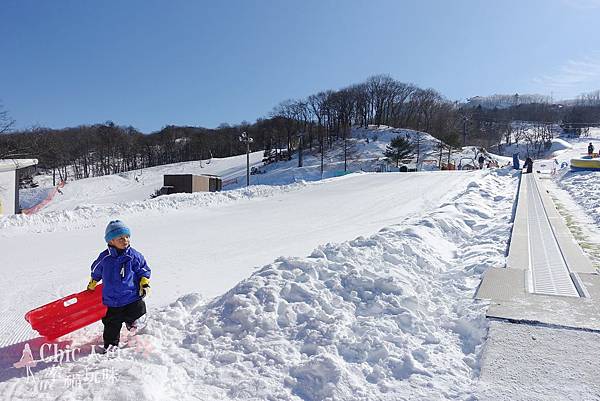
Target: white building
(9, 184)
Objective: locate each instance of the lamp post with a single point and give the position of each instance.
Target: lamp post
(300, 145)
(245, 138)
(322, 136)
(465, 119)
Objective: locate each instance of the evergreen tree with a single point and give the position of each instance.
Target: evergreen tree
(398, 149)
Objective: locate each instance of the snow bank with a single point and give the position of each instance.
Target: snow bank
(86, 215)
(584, 187)
(388, 317)
(557, 146)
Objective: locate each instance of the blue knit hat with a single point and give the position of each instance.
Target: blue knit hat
(115, 229)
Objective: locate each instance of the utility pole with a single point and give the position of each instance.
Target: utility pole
(345, 154)
(345, 148)
(464, 130)
(300, 144)
(322, 151)
(322, 130)
(245, 138)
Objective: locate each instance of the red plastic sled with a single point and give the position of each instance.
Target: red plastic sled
(67, 314)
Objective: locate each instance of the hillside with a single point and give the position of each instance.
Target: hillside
(366, 155)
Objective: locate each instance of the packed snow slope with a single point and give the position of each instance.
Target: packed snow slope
(133, 185)
(206, 242)
(382, 309)
(352, 287)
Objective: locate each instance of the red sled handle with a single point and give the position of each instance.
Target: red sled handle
(67, 314)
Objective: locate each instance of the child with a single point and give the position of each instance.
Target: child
(126, 278)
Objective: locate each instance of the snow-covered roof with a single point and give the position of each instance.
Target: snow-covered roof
(15, 164)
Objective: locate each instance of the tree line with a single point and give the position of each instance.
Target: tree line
(316, 123)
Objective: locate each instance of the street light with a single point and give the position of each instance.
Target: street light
(300, 145)
(465, 119)
(322, 136)
(245, 138)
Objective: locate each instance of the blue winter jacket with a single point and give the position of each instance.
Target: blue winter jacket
(121, 274)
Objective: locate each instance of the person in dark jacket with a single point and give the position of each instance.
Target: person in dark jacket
(481, 160)
(126, 279)
(591, 150)
(528, 164)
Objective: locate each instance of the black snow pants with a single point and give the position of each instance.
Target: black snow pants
(116, 316)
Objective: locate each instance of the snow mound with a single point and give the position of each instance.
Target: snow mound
(388, 317)
(87, 215)
(583, 187)
(557, 146)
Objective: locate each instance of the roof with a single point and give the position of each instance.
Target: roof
(15, 164)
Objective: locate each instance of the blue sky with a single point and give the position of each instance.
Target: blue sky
(154, 63)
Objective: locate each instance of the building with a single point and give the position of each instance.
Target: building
(176, 183)
(9, 184)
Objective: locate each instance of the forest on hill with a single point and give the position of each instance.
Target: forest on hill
(315, 123)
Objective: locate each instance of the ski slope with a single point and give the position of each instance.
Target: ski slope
(208, 248)
(352, 287)
(134, 185)
(357, 287)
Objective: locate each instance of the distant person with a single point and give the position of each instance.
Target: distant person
(591, 150)
(481, 160)
(126, 278)
(516, 161)
(529, 165)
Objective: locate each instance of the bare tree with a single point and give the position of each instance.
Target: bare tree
(6, 123)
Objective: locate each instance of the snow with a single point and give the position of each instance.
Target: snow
(357, 287)
(380, 137)
(578, 194)
(384, 315)
(561, 364)
(135, 185)
(557, 146)
(539, 362)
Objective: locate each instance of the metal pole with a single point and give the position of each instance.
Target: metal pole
(322, 149)
(345, 151)
(345, 156)
(322, 146)
(247, 163)
(300, 144)
(244, 138)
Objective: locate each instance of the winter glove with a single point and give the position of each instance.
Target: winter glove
(144, 287)
(92, 284)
